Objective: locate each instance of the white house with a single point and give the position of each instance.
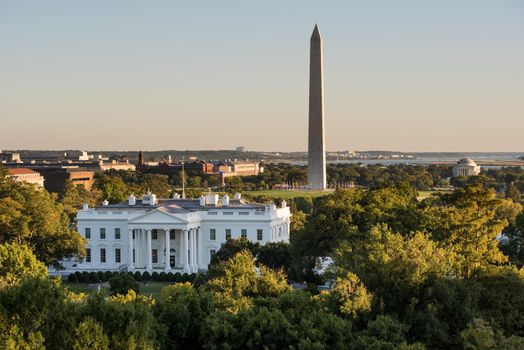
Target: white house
(178, 235)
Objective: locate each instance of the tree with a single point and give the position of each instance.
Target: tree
(122, 283)
(182, 310)
(112, 188)
(32, 217)
(90, 335)
(350, 296)
(512, 242)
(18, 262)
(236, 281)
(75, 196)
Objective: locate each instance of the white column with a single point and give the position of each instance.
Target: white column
(185, 247)
(149, 266)
(168, 253)
(199, 252)
(130, 265)
(194, 263)
(138, 245)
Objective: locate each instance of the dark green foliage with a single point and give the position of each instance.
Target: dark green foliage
(72, 278)
(177, 277)
(185, 278)
(146, 276)
(85, 277)
(155, 276)
(94, 277)
(122, 283)
(162, 276)
(138, 276)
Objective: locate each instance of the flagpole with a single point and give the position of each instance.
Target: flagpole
(183, 180)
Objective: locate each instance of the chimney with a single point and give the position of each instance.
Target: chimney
(85, 206)
(105, 203)
(225, 200)
(238, 196)
(212, 199)
(202, 200)
(131, 200)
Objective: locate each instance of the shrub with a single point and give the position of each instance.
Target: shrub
(138, 276)
(155, 276)
(78, 275)
(171, 277)
(85, 277)
(102, 276)
(192, 277)
(178, 277)
(93, 277)
(162, 276)
(185, 278)
(146, 276)
(72, 278)
(122, 283)
(109, 275)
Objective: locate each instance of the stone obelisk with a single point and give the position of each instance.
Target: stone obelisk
(316, 142)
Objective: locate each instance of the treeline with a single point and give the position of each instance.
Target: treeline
(442, 273)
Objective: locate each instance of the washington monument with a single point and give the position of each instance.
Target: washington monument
(316, 142)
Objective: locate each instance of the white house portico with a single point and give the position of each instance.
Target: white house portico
(173, 234)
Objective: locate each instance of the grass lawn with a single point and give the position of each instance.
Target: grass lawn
(151, 289)
(287, 194)
(425, 194)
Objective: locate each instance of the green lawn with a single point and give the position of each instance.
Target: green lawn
(425, 194)
(287, 194)
(151, 289)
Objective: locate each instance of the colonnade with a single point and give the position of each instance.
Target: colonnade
(141, 244)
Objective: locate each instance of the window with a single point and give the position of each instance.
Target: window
(243, 233)
(260, 235)
(172, 234)
(117, 233)
(102, 233)
(212, 234)
(155, 256)
(102, 255)
(88, 232)
(211, 254)
(228, 233)
(134, 256)
(133, 234)
(88, 255)
(154, 234)
(118, 257)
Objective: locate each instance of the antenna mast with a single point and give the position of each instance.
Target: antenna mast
(183, 179)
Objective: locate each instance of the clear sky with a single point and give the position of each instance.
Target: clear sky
(127, 75)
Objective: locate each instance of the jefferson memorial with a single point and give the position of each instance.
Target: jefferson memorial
(179, 235)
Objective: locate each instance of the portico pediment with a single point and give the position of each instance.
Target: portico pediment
(158, 216)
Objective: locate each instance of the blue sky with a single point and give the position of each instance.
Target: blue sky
(399, 75)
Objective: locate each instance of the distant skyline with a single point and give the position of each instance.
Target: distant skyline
(126, 75)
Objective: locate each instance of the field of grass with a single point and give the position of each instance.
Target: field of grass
(152, 288)
(287, 194)
(425, 194)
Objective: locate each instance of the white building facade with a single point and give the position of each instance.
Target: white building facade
(173, 235)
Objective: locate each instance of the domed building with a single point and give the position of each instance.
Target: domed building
(466, 167)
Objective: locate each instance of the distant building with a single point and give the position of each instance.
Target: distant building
(104, 166)
(10, 157)
(240, 149)
(26, 175)
(56, 178)
(466, 167)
